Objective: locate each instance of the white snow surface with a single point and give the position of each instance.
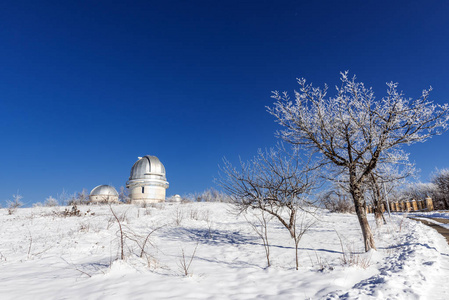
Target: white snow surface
(44, 255)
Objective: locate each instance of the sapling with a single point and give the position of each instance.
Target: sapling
(122, 235)
(260, 227)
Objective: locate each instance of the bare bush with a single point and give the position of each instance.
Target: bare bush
(50, 202)
(199, 214)
(84, 227)
(142, 242)
(178, 216)
(322, 263)
(185, 261)
(194, 214)
(14, 204)
(73, 212)
(349, 257)
(127, 234)
(205, 215)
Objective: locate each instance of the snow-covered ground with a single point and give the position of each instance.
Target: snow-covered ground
(44, 255)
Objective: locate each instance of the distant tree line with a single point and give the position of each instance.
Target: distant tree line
(208, 195)
(437, 189)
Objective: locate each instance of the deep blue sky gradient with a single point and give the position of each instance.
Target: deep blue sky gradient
(87, 86)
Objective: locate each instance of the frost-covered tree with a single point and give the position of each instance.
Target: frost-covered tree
(211, 195)
(123, 195)
(418, 191)
(79, 198)
(353, 132)
(50, 201)
(441, 182)
(276, 182)
(14, 204)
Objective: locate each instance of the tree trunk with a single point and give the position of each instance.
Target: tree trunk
(360, 209)
(368, 238)
(378, 215)
(377, 201)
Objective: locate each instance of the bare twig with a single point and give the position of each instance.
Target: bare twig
(185, 262)
(122, 235)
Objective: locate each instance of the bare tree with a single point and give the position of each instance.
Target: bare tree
(276, 181)
(353, 132)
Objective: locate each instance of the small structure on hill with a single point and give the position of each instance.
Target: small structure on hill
(103, 194)
(147, 181)
(176, 198)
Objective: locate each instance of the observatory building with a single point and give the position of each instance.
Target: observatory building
(103, 194)
(147, 182)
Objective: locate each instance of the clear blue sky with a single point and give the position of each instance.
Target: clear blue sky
(87, 86)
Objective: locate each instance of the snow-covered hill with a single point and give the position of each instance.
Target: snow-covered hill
(45, 255)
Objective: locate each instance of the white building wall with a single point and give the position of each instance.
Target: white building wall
(151, 194)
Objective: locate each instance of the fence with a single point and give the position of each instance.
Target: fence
(406, 206)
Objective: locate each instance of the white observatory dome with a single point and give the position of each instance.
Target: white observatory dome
(147, 181)
(103, 193)
(148, 167)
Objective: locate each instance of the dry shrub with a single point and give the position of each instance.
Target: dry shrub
(178, 216)
(351, 258)
(14, 204)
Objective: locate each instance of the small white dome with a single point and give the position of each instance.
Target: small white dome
(104, 190)
(176, 198)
